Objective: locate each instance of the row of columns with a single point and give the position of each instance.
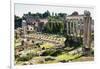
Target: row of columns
(74, 27)
(82, 27)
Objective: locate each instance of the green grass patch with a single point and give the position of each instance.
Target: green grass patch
(67, 57)
(47, 45)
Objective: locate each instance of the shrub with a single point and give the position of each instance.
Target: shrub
(56, 52)
(49, 58)
(16, 56)
(46, 52)
(72, 41)
(25, 57)
(51, 52)
(92, 52)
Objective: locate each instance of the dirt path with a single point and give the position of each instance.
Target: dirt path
(89, 58)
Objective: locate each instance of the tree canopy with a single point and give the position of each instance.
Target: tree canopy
(18, 21)
(74, 13)
(55, 25)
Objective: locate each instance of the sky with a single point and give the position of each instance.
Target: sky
(20, 9)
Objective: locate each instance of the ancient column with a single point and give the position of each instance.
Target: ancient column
(80, 28)
(73, 26)
(80, 31)
(67, 28)
(24, 26)
(65, 25)
(77, 27)
(87, 33)
(70, 27)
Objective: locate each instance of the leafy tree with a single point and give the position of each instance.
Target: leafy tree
(52, 13)
(56, 14)
(29, 13)
(74, 13)
(62, 14)
(46, 14)
(39, 15)
(18, 21)
(54, 25)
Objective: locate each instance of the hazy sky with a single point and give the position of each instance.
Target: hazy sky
(21, 9)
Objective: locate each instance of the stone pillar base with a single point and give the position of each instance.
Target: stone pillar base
(86, 51)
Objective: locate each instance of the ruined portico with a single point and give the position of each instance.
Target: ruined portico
(80, 26)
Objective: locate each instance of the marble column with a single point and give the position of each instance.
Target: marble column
(81, 28)
(87, 33)
(79, 31)
(75, 28)
(67, 28)
(70, 28)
